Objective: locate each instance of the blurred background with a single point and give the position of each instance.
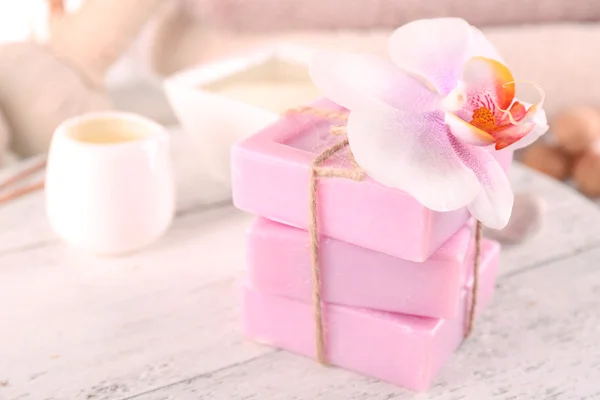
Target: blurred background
(62, 58)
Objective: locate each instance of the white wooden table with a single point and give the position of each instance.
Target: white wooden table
(165, 324)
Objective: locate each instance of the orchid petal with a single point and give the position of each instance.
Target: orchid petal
(412, 153)
(349, 79)
(540, 127)
(466, 132)
(493, 205)
(433, 48)
(480, 46)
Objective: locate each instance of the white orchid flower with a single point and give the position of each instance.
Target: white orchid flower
(428, 121)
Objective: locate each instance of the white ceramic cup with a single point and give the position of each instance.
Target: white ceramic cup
(109, 182)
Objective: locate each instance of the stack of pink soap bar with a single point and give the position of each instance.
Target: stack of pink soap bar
(401, 349)
(396, 277)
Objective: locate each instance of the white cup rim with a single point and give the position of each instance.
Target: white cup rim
(155, 130)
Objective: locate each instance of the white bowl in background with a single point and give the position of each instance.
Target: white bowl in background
(219, 103)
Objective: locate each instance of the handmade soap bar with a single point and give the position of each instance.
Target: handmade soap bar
(279, 264)
(401, 349)
(270, 177)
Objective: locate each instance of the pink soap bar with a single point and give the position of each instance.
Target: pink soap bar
(270, 176)
(279, 264)
(401, 349)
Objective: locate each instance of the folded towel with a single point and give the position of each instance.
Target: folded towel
(557, 56)
(275, 15)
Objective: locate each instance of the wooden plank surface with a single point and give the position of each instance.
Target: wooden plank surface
(164, 323)
(539, 340)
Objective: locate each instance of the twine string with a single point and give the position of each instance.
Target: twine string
(475, 288)
(318, 171)
(320, 112)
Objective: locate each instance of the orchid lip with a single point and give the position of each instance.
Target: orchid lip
(538, 104)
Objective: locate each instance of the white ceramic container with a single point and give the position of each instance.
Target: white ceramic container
(109, 182)
(225, 101)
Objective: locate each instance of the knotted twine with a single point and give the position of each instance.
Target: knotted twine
(357, 174)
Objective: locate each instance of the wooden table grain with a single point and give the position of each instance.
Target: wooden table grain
(164, 323)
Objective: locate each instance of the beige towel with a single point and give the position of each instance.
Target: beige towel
(277, 15)
(557, 56)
